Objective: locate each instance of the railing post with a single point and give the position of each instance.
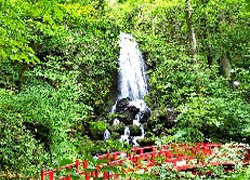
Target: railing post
(114, 157)
(153, 158)
(97, 171)
(161, 152)
(77, 166)
(105, 175)
(141, 150)
(138, 158)
(108, 156)
(68, 177)
(42, 175)
(129, 155)
(153, 149)
(87, 176)
(135, 151)
(85, 165)
(51, 175)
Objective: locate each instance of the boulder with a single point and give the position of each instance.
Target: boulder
(122, 104)
(126, 112)
(144, 115)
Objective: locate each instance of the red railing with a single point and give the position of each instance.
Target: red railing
(177, 154)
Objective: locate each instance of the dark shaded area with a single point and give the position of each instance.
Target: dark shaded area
(41, 132)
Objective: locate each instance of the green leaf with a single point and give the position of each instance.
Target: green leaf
(74, 175)
(65, 162)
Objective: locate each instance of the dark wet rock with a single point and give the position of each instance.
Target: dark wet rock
(135, 130)
(126, 117)
(126, 113)
(122, 104)
(144, 115)
(132, 114)
(97, 136)
(161, 120)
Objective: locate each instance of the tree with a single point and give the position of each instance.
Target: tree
(191, 33)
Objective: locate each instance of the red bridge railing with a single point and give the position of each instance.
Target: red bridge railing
(177, 154)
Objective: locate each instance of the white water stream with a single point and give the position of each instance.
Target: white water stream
(132, 83)
(132, 76)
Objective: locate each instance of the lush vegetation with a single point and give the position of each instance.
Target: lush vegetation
(58, 73)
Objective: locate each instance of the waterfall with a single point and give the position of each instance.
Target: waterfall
(132, 76)
(132, 84)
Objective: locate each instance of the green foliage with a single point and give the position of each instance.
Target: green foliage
(57, 60)
(19, 151)
(148, 141)
(98, 126)
(58, 68)
(164, 172)
(100, 147)
(119, 128)
(97, 130)
(214, 119)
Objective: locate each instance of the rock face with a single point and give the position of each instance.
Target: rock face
(129, 114)
(144, 115)
(122, 104)
(132, 110)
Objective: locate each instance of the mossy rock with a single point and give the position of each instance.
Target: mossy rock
(97, 135)
(97, 130)
(135, 130)
(146, 142)
(115, 135)
(119, 128)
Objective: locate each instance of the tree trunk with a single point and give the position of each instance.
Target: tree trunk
(224, 61)
(20, 80)
(226, 66)
(191, 33)
(209, 49)
(209, 45)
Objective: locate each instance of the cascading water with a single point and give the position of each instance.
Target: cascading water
(132, 76)
(107, 134)
(126, 135)
(132, 85)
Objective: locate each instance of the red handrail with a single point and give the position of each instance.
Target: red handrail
(173, 153)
